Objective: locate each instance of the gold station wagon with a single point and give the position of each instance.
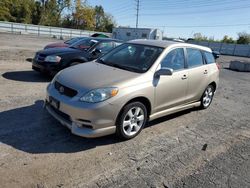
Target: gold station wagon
(137, 81)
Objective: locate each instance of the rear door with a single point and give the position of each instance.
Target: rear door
(171, 90)
(198, 74)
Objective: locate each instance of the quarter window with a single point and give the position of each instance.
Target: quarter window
(194, 57)
(209, 57)
(174, 59)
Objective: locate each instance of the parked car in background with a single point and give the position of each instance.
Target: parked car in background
(64, 44)
(71, 41)
(55, 59)
(138, 81)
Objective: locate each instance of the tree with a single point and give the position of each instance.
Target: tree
(52, 13)
(109, 23)
(84, 16)
(200, 37)
(99, 17)
(243, 38)
(52, 10)
(227, 39)
(16, 11)
(5, 10)
(36, 13)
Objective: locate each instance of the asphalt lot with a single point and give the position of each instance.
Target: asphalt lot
(36, 151)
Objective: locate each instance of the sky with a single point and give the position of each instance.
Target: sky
(183, 18)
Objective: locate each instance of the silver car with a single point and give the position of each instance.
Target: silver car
(138, 81)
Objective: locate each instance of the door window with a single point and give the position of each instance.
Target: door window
(105, 47)
(174, 60)
(209, 57)
(194, 57)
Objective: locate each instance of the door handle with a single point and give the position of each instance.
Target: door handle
(184, 77)
(205, 72)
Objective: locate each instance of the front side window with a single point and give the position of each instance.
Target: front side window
(174, 60)
(133, 57)
(194, 57)
(209, 57)
(104, 47)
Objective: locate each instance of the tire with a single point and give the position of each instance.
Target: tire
(207, 97)
(131, 121)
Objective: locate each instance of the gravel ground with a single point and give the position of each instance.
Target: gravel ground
(36, 151)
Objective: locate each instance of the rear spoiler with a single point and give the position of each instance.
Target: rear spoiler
(216, 54)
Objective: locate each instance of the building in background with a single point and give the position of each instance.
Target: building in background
(127, 33)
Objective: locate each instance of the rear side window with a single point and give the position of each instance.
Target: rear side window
(194, 57)
(209, 57)
(174, 60)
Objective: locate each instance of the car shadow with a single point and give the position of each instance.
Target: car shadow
(26, 76)
(31, 129)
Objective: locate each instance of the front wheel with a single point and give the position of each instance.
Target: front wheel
(131, 121)
(207, 97)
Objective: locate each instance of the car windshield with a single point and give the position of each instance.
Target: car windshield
(84, 44)
(72, 41)
(132, 57)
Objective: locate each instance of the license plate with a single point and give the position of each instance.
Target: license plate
(53, 102)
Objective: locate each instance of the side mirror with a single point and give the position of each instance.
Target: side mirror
(96, 52)
(216, 54)
(164, 72)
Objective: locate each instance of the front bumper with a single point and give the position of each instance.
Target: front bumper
(80, 131)
(86, 120)
(43, 67)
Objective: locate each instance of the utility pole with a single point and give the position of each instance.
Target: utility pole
(137, 12)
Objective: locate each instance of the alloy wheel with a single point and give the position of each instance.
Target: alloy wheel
(133, 121)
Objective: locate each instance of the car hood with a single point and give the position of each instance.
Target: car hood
(94, 75)
(56, 44)
(58, 51)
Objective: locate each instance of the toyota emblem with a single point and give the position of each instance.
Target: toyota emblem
(61, 89)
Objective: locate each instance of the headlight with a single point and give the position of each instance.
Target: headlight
(98, 95)
(53, 59)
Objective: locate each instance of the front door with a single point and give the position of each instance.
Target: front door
(171, 90)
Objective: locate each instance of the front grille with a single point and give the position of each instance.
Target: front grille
(61, 114)
(64, 90)
(41, 57)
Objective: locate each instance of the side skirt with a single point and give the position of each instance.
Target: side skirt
(174, 110)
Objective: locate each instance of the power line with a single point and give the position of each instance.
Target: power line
(189, 6)
(197, 12)
(199, 26)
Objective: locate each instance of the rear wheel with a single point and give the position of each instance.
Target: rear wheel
(207, 97)
(131, 121)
